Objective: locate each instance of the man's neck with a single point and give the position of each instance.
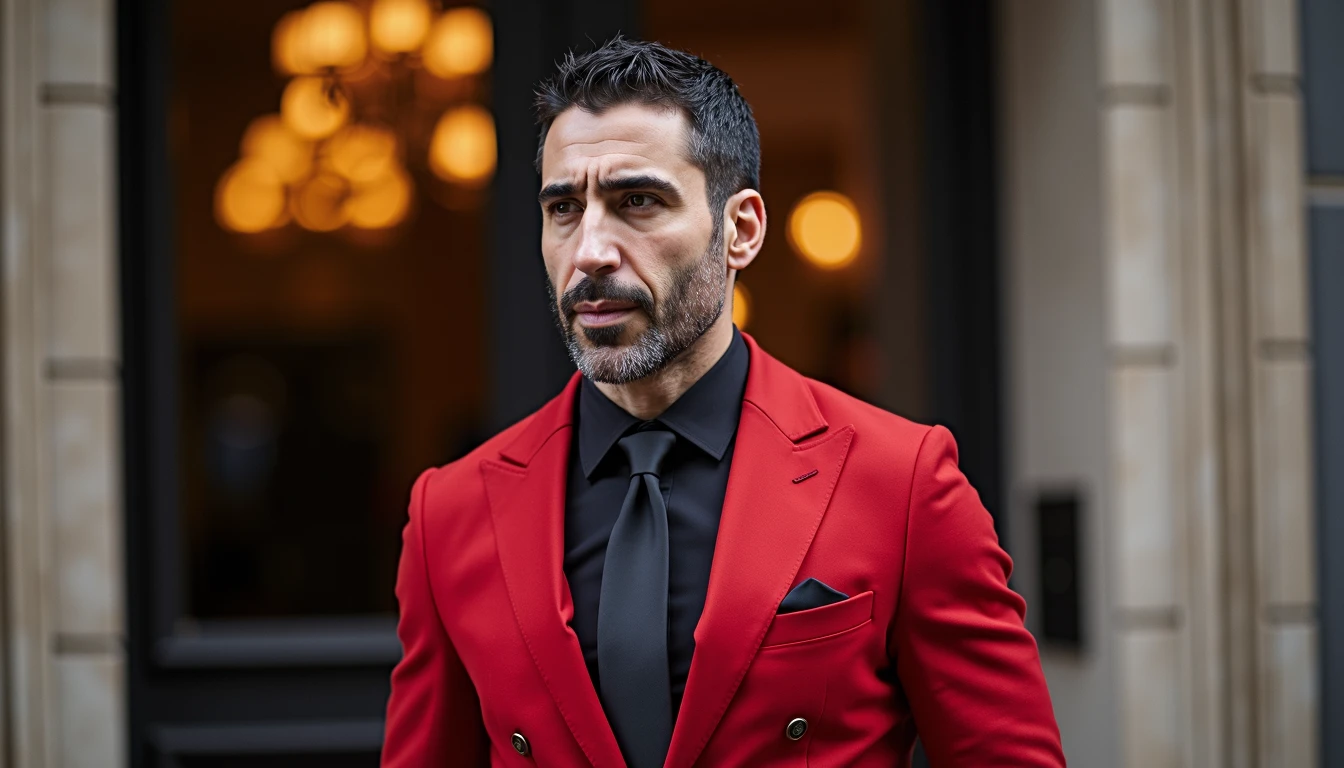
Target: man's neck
(650, 396)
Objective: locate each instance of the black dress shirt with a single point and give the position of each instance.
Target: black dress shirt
(694, 479)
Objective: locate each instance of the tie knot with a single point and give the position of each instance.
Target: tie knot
(647, 449)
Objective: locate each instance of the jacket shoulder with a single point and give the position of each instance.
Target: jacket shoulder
(458, 484)
(869, 420)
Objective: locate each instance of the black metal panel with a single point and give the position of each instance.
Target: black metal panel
(1322, 72)
(147, 340)
(1322, 25)
(1058, 517)
(352, 641)
(329, 744)
(1327, 282)
(960, 237)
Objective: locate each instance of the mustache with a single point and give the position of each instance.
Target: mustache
(605, 290)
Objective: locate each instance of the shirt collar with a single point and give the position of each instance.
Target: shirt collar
(705, 416)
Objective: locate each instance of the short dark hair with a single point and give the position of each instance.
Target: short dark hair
(724, 142)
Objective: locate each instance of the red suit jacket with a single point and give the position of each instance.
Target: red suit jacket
(821, 485)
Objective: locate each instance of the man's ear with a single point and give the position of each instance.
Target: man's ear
(744, 227)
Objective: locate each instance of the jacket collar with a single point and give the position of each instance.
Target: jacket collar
(778, 391)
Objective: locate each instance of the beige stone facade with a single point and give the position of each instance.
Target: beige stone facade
(65, 700)
(1184, 297)
(1158, 353)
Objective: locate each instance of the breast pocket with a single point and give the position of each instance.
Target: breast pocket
(818, 624)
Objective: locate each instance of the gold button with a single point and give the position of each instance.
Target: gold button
(797, 727)
(520, 744)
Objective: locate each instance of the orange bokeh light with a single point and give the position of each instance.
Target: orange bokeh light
(824, 229)
(268, 139)
(250, 197)
(287, 53)
(311, 110)
(362, 153)
(382, 203)
(460, 43)
(319, 205)
(463, 147)
(399, 26)
(741, 306)
(331, 35)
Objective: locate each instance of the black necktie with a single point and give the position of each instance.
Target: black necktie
(632, 612)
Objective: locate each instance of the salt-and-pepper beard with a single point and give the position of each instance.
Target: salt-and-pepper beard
(693, 302)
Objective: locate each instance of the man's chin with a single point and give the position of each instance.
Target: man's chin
(612, 337)
(615, 363)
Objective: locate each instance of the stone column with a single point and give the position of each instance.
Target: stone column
(1211, 480)
(1277, 349)
(1141, 247)
(63, 517)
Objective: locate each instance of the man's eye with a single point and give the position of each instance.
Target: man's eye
(639, 201)
(562, 208)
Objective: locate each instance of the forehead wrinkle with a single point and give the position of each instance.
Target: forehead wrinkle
(595, 142)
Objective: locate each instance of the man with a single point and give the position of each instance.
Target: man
(695, 555)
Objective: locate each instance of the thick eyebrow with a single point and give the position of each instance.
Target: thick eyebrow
(620, 184)
(642, 181)
(552, 191)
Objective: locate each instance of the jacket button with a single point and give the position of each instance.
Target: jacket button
(797, 727)
(520, 745)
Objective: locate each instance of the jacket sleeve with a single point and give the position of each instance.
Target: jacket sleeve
(969, 668)
(433, 715)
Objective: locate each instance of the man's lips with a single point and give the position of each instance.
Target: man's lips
(602, 312)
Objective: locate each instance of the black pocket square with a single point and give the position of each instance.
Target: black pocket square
(810, 594)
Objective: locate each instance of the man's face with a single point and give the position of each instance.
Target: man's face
(636, 264)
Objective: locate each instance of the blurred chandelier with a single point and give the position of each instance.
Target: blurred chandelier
(383, 96)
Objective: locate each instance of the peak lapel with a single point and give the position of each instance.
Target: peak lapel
(526, 493)
(766, 528)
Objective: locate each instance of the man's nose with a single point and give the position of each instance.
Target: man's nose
(597, 252)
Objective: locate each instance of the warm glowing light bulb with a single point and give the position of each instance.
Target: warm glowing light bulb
(311, 110)
(268, 139)
(399, 26)
(332, 35)
(250, 197)
(287, 45)
(382, 203)
(824, 228)
(319, 205)
(741, 306)
(463, 147)
(460, 43)
(362, 153)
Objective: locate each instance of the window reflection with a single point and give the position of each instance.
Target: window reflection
(329, 318)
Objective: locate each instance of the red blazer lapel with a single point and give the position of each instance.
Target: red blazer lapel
(526, 492)
(785, 465)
